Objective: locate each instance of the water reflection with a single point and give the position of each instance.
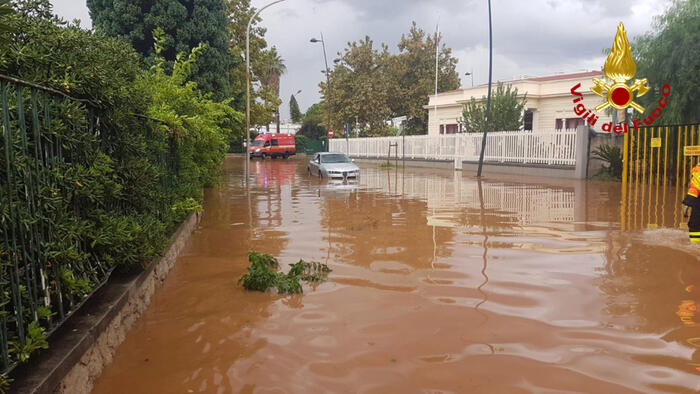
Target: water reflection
(439, 283)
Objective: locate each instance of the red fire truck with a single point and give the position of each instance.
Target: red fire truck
(273, 145)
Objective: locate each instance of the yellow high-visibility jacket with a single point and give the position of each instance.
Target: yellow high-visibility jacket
(693, 188)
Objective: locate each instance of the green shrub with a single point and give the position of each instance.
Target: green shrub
(262, 275)
(123, 182)
(612, 156)
(182, 209)
(5, 382)
(35, 339)
(301, 143)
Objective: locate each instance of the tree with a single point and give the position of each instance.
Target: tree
(203, 126)
(6, 11)
(506, 111)
(312, 120)
(41, 9)
(186, 25)
(269, 70)
(414, 69)
(670, 54)
(371, 86)
(239, 13)
(362, 88)
(265, 97)
(294, 111)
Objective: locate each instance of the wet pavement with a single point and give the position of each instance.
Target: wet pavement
(439, 284)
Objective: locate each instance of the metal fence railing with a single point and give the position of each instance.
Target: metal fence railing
(657, 163)
(546, 147)
(45, 137)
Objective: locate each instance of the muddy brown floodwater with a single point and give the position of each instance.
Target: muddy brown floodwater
(438, 285)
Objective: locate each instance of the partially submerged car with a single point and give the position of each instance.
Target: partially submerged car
(333, 166)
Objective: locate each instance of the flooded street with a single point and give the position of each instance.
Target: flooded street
(439, 284)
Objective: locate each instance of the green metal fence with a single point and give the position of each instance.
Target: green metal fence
(314, 146)
(47, 135)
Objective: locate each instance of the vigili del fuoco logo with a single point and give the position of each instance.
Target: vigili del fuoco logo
(620, 68)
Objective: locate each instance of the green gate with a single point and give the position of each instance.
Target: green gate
(656, 171)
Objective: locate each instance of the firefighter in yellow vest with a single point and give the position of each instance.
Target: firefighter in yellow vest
(692, 203)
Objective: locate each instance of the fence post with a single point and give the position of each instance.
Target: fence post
(581, 152)
(458, 153)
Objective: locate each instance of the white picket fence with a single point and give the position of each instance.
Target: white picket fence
(541, 147)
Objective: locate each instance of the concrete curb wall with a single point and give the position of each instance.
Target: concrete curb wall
(86, 343)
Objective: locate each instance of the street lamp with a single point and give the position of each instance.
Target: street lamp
(472, 75)
(488, 100)
(247, 87)
(328, 79)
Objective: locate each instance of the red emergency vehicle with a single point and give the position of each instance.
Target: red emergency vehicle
(273, 145)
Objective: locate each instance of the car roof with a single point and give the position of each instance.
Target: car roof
(330, 153)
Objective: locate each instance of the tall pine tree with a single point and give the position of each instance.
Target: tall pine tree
(186, 24)
(294, 111)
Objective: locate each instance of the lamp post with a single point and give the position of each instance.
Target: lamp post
(247, 87)
(472, 75)
(328, 79)
(488, 100)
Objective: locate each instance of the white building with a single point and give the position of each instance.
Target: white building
(549, 103)
(285, 128)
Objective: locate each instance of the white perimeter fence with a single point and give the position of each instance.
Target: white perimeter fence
(539, 147)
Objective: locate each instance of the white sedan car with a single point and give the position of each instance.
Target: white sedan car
(333, 166)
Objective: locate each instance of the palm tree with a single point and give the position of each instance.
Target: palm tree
(273, 68)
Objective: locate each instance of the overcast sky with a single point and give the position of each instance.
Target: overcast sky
(532, 38)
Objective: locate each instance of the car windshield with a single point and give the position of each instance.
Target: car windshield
(335, 158)
(257, 143)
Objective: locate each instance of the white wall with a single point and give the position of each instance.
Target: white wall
(285, 128)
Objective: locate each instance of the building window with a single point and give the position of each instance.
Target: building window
(442, 129)
(569, 123)
(573, 123)
(527, 120)
(451, 128)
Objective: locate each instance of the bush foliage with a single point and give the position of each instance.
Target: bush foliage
(262, 274)
(612, 157)
(138, 147)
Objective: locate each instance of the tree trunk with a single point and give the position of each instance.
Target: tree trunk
(277, 115)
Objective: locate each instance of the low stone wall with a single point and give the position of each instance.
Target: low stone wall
(86, 343)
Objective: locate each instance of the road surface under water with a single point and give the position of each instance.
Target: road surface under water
(438, 285)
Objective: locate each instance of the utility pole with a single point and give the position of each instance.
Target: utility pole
(328, 80)
(488, 100)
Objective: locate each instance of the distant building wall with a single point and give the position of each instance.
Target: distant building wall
(285, 128)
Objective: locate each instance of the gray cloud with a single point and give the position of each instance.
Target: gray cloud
(533, 37)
